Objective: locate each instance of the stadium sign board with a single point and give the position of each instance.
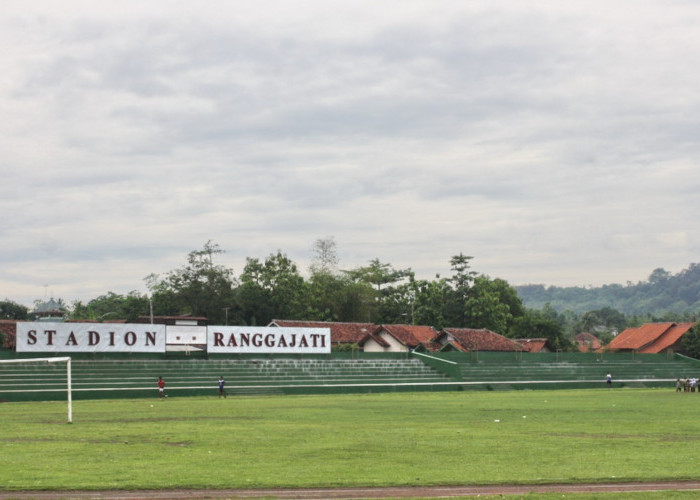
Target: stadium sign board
(38, 336)
(268, 340)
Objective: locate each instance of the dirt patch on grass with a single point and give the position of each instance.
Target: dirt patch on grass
(179, 443)
(355, 493)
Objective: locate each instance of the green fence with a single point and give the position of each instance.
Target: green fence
(113, 378)
(119, 376)
(511, 370)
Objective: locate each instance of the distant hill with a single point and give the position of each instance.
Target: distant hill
(661, 294)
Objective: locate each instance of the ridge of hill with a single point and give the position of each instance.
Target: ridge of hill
(662, 293)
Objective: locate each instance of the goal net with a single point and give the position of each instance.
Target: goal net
(66, 360)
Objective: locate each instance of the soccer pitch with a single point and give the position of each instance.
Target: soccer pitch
(416, 439)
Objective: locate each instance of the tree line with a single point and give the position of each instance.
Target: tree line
(274, 288)
(663, 294)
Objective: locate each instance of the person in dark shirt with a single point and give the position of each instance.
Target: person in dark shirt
(222, 383)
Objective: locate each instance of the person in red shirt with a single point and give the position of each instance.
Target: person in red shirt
(161, 387)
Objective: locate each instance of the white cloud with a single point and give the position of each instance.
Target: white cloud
(554, 142)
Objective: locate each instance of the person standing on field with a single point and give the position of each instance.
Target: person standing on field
(608, 379)
(222, 383)
(161, 387)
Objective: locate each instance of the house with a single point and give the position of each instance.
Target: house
(536, 345)
(587, 342)
(397, 338)
(470, 339)
(51, 311)
(341, 333)
(650, 338)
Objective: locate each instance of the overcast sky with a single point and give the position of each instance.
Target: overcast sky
(555, 142)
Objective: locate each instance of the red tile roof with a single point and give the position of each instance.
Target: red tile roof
(668, 339)
(341, 333)
(451, 343)
(435, 346)
(533, 345)
(482, 340)
(587, 342)
(379, 340)
(408, 335)
(636, 338)
(649, 338)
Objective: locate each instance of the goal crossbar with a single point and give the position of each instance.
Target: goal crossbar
(64, 359)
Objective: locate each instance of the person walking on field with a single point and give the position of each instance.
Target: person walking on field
(222, 383)
(161, 387)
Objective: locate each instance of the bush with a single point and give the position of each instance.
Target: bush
(345, 348)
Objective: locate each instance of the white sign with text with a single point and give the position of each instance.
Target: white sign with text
(268, 340)
(41, 336)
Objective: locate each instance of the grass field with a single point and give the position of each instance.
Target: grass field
(352, 440)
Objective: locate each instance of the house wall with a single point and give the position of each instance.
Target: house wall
(372, 346)
(394, 345)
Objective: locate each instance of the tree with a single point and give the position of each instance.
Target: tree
(388, 302)
(200, 288)
(358, 301)
(397, 303)
(325, 286)
(325, 260)
(273, 289)
(112, 306)
(13, 310)
(325, 297)
(659, 276)
(429, 303)
(691, 342)
(378, 274)
(538, 324)
(602, 321)
(492, 305)
(463, 277)
(663, 294)
(461, 282)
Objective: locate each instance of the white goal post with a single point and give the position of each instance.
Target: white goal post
(65, 359)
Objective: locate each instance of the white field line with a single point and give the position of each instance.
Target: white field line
(283, 386)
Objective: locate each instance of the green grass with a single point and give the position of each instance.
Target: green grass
(352, 440)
